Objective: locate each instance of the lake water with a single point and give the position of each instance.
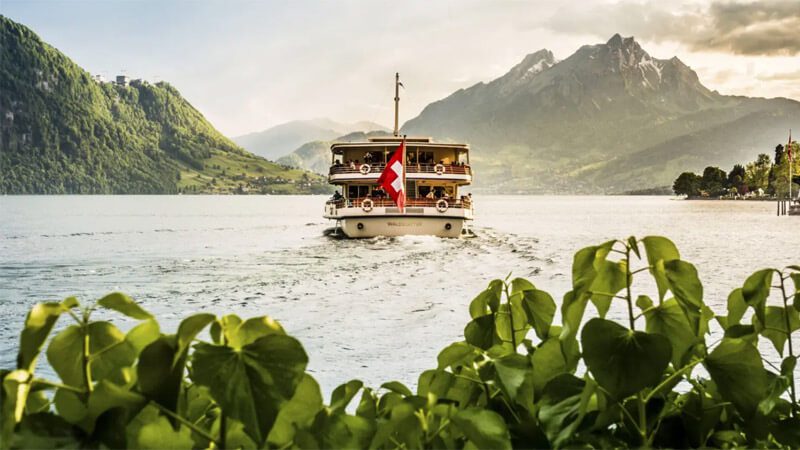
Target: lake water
(376, 309)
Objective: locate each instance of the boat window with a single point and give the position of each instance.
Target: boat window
(423, 191)
(426, 158)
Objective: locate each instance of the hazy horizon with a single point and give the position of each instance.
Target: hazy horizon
(248, 66)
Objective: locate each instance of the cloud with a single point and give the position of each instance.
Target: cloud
(781, 76)
(767, 27)
(745, 28)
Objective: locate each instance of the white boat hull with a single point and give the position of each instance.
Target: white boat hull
(367, 227)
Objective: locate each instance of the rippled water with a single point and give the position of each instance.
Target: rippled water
(375, 309)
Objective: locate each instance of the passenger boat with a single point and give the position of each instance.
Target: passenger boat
(431, 179)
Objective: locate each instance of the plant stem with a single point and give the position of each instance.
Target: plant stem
(642, 421)
(784, 297)
(628, 296)
(670, 378)
(510, 317)
(87, 369)
(200, 432)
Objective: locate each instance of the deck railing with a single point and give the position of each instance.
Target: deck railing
(463, 202)
(377, 168)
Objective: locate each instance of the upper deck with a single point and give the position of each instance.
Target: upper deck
(354, 161)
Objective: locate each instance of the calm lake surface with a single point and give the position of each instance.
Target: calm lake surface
(376, 309)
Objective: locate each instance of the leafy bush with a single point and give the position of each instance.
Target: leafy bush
(517, 380)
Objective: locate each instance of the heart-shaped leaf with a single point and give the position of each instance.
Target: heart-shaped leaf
(623, 361)
(736, 368)
(540, 308)
(667, 319)
(251, 384)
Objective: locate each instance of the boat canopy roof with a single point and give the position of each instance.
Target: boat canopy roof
(383, 141)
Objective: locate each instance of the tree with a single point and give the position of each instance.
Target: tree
(687, 183)
(757, 173)
(714, 181)
(736, 179)
(778, 154)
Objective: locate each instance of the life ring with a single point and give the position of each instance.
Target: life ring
(442, 205)
(439, 168)
(366, 205)
(364, 169)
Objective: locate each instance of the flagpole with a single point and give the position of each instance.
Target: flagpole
(396, 102)
(405, 194)
(789, 158)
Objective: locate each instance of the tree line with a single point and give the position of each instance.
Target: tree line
(763, 177)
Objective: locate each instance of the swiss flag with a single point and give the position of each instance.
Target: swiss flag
(394, 175)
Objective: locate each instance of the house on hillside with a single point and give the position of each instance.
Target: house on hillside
(122, 80)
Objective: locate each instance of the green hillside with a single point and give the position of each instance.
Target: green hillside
(63, 132)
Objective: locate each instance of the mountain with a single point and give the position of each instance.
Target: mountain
(281, 140)
(61, 131)
(609, 118)
(316, 155)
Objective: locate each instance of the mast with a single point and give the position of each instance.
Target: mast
(789, 158)
(396, 102)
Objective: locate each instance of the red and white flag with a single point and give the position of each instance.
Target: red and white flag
(393, 177)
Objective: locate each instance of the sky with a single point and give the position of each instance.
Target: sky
(251, 65)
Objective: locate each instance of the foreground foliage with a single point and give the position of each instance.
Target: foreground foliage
(517, 380)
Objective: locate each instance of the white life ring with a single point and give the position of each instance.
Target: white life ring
(366, 205)
(364, 169)
(442, 205)
(439, 168)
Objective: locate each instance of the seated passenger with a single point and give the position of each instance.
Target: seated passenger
(430, 195)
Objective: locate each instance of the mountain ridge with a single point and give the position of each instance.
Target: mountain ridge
(282, 139)
(62, 131)
(568, 122)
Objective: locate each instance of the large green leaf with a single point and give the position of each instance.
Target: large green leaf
(487, 301)
(456, 354)
(253, 383)
(623, 361)
(736, 368)
(684, 283)
(14, 389)
(109, 354)
(585, 265)
(668, 320)
(756, 290)
(253, 328)
(108, 396)
(609, 279)
(159, 376)
(398, 388)
(343, 394)
(540, 309)
(480, 332)
(188, 330)
(150, 430)
(38, 324)
(123, 304)
(774, 329)
(298, 413)
(659, 250)
(688, 291)
(484, 428)
(573, 307)
(143, 335)
(736, 307)
(548, 362)
(347, 432)
(511, 372)
(563, 406)
(511, 318)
